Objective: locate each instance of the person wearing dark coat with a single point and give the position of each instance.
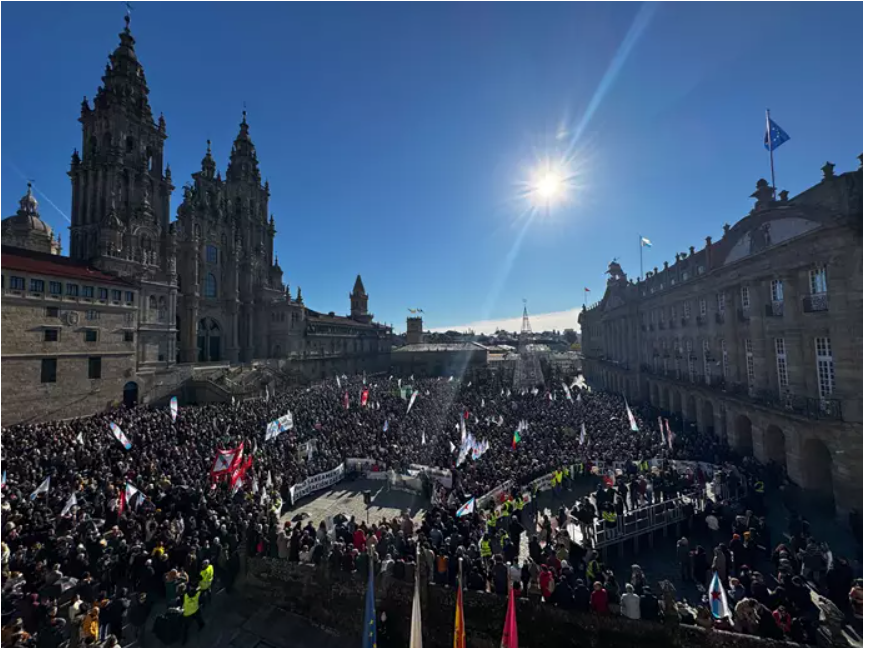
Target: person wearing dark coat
(700, 564)
(138, 614)
(114, 613)
(649, 606)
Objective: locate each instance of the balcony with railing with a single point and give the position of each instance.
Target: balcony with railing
(701, 320)
(816, 303)
(774, 309)
(743, 315)
(813, 408)
(684, 322)
(720, 317)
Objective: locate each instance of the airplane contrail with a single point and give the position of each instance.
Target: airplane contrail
(40, 192)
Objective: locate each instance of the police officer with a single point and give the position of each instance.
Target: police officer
(190, 612)
(486, 547)
(206, 577)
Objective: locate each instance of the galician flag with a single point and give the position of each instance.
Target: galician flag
(70, 503)
(42, 488)
(466, 509)
(645, 242)
(718, 599)
(173, 408)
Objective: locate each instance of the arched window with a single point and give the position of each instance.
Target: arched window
(210, 285)
(152, 302)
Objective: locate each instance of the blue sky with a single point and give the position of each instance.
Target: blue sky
(396, 137)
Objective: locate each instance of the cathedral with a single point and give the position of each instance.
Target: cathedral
(207, 287)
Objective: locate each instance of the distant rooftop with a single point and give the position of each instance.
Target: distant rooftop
(435, 347)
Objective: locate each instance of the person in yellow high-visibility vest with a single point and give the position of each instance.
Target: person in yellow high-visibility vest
(206, 577)
(190, 612)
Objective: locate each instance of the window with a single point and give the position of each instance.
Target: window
(776, 292)
(55, 288)
(673, 312)
(705, 347)
(116, 295)
(819, 281)
(825, 367)
(725, 367)
(88, 291)
(16, 283)
(662, 315)
(52, 311)
(103, 293)
(50, 335)
(37, 285)
(211, 254)
(687, 309)
(128, 296)
(702, 307)
(72, 290)
(720, 302)
(48, 373)
(744, 297)
(90, 336)
(128, 336)
(95, 368)
(781, 367)
(210, 285)
(92, 315)
(701, 269)
(750, 364)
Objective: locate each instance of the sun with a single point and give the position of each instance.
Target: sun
(548, 186)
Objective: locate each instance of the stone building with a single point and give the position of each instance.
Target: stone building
(756, 336)
(27, 230)
(207, 290)
(69, 336)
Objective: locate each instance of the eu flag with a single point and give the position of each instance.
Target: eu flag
(370, 628)
(774, 137)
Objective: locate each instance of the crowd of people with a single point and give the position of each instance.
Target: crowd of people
(95, 535)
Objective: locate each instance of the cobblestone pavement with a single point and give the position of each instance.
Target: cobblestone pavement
(347, 497)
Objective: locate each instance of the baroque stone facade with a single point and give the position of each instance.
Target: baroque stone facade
(207, 287)
(756, 337)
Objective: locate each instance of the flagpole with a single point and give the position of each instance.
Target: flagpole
(640, 242)
(770, 150)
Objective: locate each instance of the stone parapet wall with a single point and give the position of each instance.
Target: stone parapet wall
(335, 602)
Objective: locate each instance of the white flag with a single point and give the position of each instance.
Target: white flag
(132, 492)
(70, 503)
(424, 437)
(269, 479)
(255, 487)
(42, 488)
(452, 447)
(80, 439)
(411, 402)
(450, 379)
(338, 381)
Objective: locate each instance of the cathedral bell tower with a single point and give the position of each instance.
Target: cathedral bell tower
(359, 303)
(120, 195)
